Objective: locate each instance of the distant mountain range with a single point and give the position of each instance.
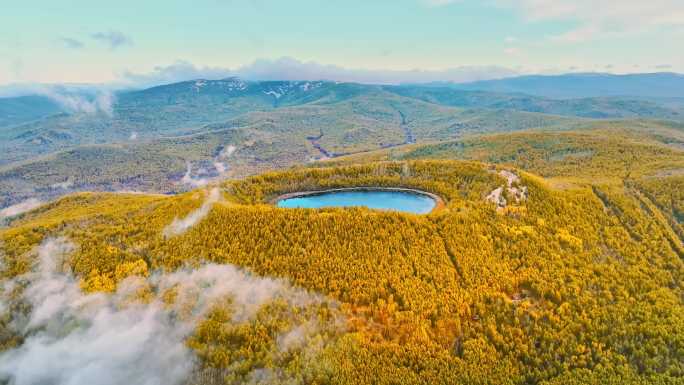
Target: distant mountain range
(658, 96)
(26, 108)
(145, 139)
(36, 125)
(584, 85)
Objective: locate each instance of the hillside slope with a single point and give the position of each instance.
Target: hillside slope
(656, 85)
(153, 136)
(602, 107)
(646, 160)
(187, 107)
(575, 285)
(18, 110)
(262, 140)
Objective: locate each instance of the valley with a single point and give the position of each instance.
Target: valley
(151, 135)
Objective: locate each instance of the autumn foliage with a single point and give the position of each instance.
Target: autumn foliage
(580, 285)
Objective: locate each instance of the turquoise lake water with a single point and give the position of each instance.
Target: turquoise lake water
(379, 200)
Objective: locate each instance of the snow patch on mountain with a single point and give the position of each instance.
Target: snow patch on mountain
(230, 85)
(288, 87)
(275, 94)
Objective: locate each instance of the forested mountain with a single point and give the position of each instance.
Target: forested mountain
(188, 107)
(586, 85)
(601, 107)
(554, 255)
(253, 192)
(145, 139)
(18, 110)
(579, 282)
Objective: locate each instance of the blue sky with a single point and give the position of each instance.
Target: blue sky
(112, 41)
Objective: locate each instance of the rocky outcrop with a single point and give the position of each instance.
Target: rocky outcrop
(513, 189)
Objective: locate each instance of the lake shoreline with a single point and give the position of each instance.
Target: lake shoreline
(439, 202)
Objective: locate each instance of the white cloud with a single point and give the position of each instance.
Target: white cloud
(71, 43)
(70, 337)
(220, 167)
(220, 162)
(292, 69)
(202, 177)
(114, 39)
(190, 180)
(63, 185)
(227, 151)
(602, 18)
(74, 99)
(101, 102)
(179, 226)
(178, 71)
(596, 18)
(20, 208)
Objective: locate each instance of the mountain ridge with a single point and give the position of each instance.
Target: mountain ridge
(273, 124)
(566, 86)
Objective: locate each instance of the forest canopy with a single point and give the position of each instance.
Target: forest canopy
(577, 283)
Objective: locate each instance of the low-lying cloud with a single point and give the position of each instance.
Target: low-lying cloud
(178, 71)
(76, 338)
(221, 160)
(292, 69)
(193, 181)
(20, 208)
(66, 185)
(181, 225)
(204, 175)
(101, 102)
(75, 99)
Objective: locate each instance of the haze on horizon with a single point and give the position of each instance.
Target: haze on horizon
(382, 41)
